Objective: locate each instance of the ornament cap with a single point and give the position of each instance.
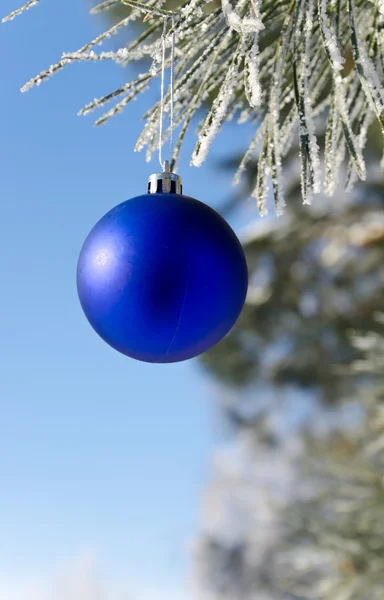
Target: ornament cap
(166, 182)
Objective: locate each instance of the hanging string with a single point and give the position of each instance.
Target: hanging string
(172, 86)
(163, 43)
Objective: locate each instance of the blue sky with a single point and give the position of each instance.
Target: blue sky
(100, 457)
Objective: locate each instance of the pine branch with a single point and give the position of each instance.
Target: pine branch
(20, 10)
(275, 64)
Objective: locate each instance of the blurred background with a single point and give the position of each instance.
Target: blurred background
(253, 472)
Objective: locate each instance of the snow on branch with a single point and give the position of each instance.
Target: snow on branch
(291, 69)
(20, 10)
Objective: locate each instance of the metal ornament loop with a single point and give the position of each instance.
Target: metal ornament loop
(165, 182)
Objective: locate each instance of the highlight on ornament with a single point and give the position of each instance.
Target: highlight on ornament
(162, 277)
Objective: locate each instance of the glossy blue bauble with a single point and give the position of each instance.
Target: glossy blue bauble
(162, 278)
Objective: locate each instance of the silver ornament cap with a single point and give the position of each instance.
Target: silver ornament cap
(165, 182)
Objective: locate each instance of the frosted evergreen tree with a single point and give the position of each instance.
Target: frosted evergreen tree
(294, 509)
(303, 371)
(288, 68)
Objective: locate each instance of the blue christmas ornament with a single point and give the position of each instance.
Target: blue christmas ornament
(162, 277)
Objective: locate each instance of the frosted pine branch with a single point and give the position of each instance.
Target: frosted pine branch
(107, 5)
(280, 66)
(20, 10)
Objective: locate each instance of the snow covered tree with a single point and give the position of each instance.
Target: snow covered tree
(302, 509)
(294, 509)
(288, 68)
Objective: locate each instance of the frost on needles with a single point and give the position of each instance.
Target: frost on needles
(303, 74)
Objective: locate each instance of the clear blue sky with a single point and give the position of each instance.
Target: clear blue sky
(98, 454)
